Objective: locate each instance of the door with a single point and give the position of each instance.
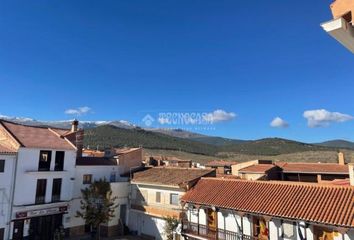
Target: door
(44, 228)
(123, 213)
(324, 233)
(17, 233)
(260, 228)
(2, 233)
(212, 220)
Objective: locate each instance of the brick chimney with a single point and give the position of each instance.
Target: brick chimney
(343, 8)
(351, 173)
(341, 160)
(74, 125)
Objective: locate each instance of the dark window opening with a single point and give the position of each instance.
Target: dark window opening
(158, 197)
(2, 167)
(40, 192)
(59, 161)
(44, 160)
(2, 232)
(56, 189)
(87, 179)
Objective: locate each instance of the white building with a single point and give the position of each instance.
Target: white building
(88, 170)
(156, 193)
(242, 209)
(7, 166)
(44, 162)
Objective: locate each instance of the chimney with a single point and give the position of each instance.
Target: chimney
(341, 160)
(351, 173)
(74, 125)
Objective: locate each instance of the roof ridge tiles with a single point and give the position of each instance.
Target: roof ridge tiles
(34, 126)
(309, 184)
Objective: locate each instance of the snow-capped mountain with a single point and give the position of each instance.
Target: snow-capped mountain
(67, 123)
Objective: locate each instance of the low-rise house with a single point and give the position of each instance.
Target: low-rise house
(44, 164)
(156, 193)
(168, 162)
(260, 172)
(241, 209)
(221, 166)
(313, 172)
(293, 171)
(88, 170)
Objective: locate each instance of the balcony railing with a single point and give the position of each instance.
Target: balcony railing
(220, 234)
(55, 198)
(40, 200)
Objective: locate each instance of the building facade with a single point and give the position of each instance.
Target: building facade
(241, 209)
(156, 194)
(7, 170)
(44, 163)
(88, 170)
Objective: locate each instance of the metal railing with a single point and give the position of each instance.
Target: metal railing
(220, 234)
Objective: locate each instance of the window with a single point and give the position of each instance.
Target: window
(44, 160)
(40, 193)
(158, 197)
(2, 232)
(87, 179)
(2, 167)
(59, 161)
(289, 230)
(56, 189)
(174, 199)
(112, 177)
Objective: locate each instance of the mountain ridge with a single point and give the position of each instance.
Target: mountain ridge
(121, 133)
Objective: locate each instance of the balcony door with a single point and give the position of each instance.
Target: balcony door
(212, 220)
(260, 228)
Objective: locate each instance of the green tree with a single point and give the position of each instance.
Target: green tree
(97, 205)
(170, 226)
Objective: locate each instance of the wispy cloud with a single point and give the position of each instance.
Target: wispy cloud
(219, 115)
(278, 122)
(322, 117)
(78, 111)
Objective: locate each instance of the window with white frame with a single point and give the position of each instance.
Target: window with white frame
(174, 199)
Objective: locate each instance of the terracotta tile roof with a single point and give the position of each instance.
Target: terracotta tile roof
(120, 151)
(170, 176)
(167, 159)
(257, 168)
(329, 168)
(92, 153)
(220, 163)
(6, 150)
(323, 204)
(95, 161)
(36, 137)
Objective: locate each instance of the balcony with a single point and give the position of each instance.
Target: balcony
(202, 231)
(40, 200)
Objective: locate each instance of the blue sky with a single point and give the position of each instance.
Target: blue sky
(255, 60)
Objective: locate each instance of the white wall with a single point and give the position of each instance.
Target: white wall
(119, 189)
(228, 220)
(145, 224)
(28, 174)
(152, 224)
(6, 184)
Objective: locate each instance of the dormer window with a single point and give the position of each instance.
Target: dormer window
(45, 158)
